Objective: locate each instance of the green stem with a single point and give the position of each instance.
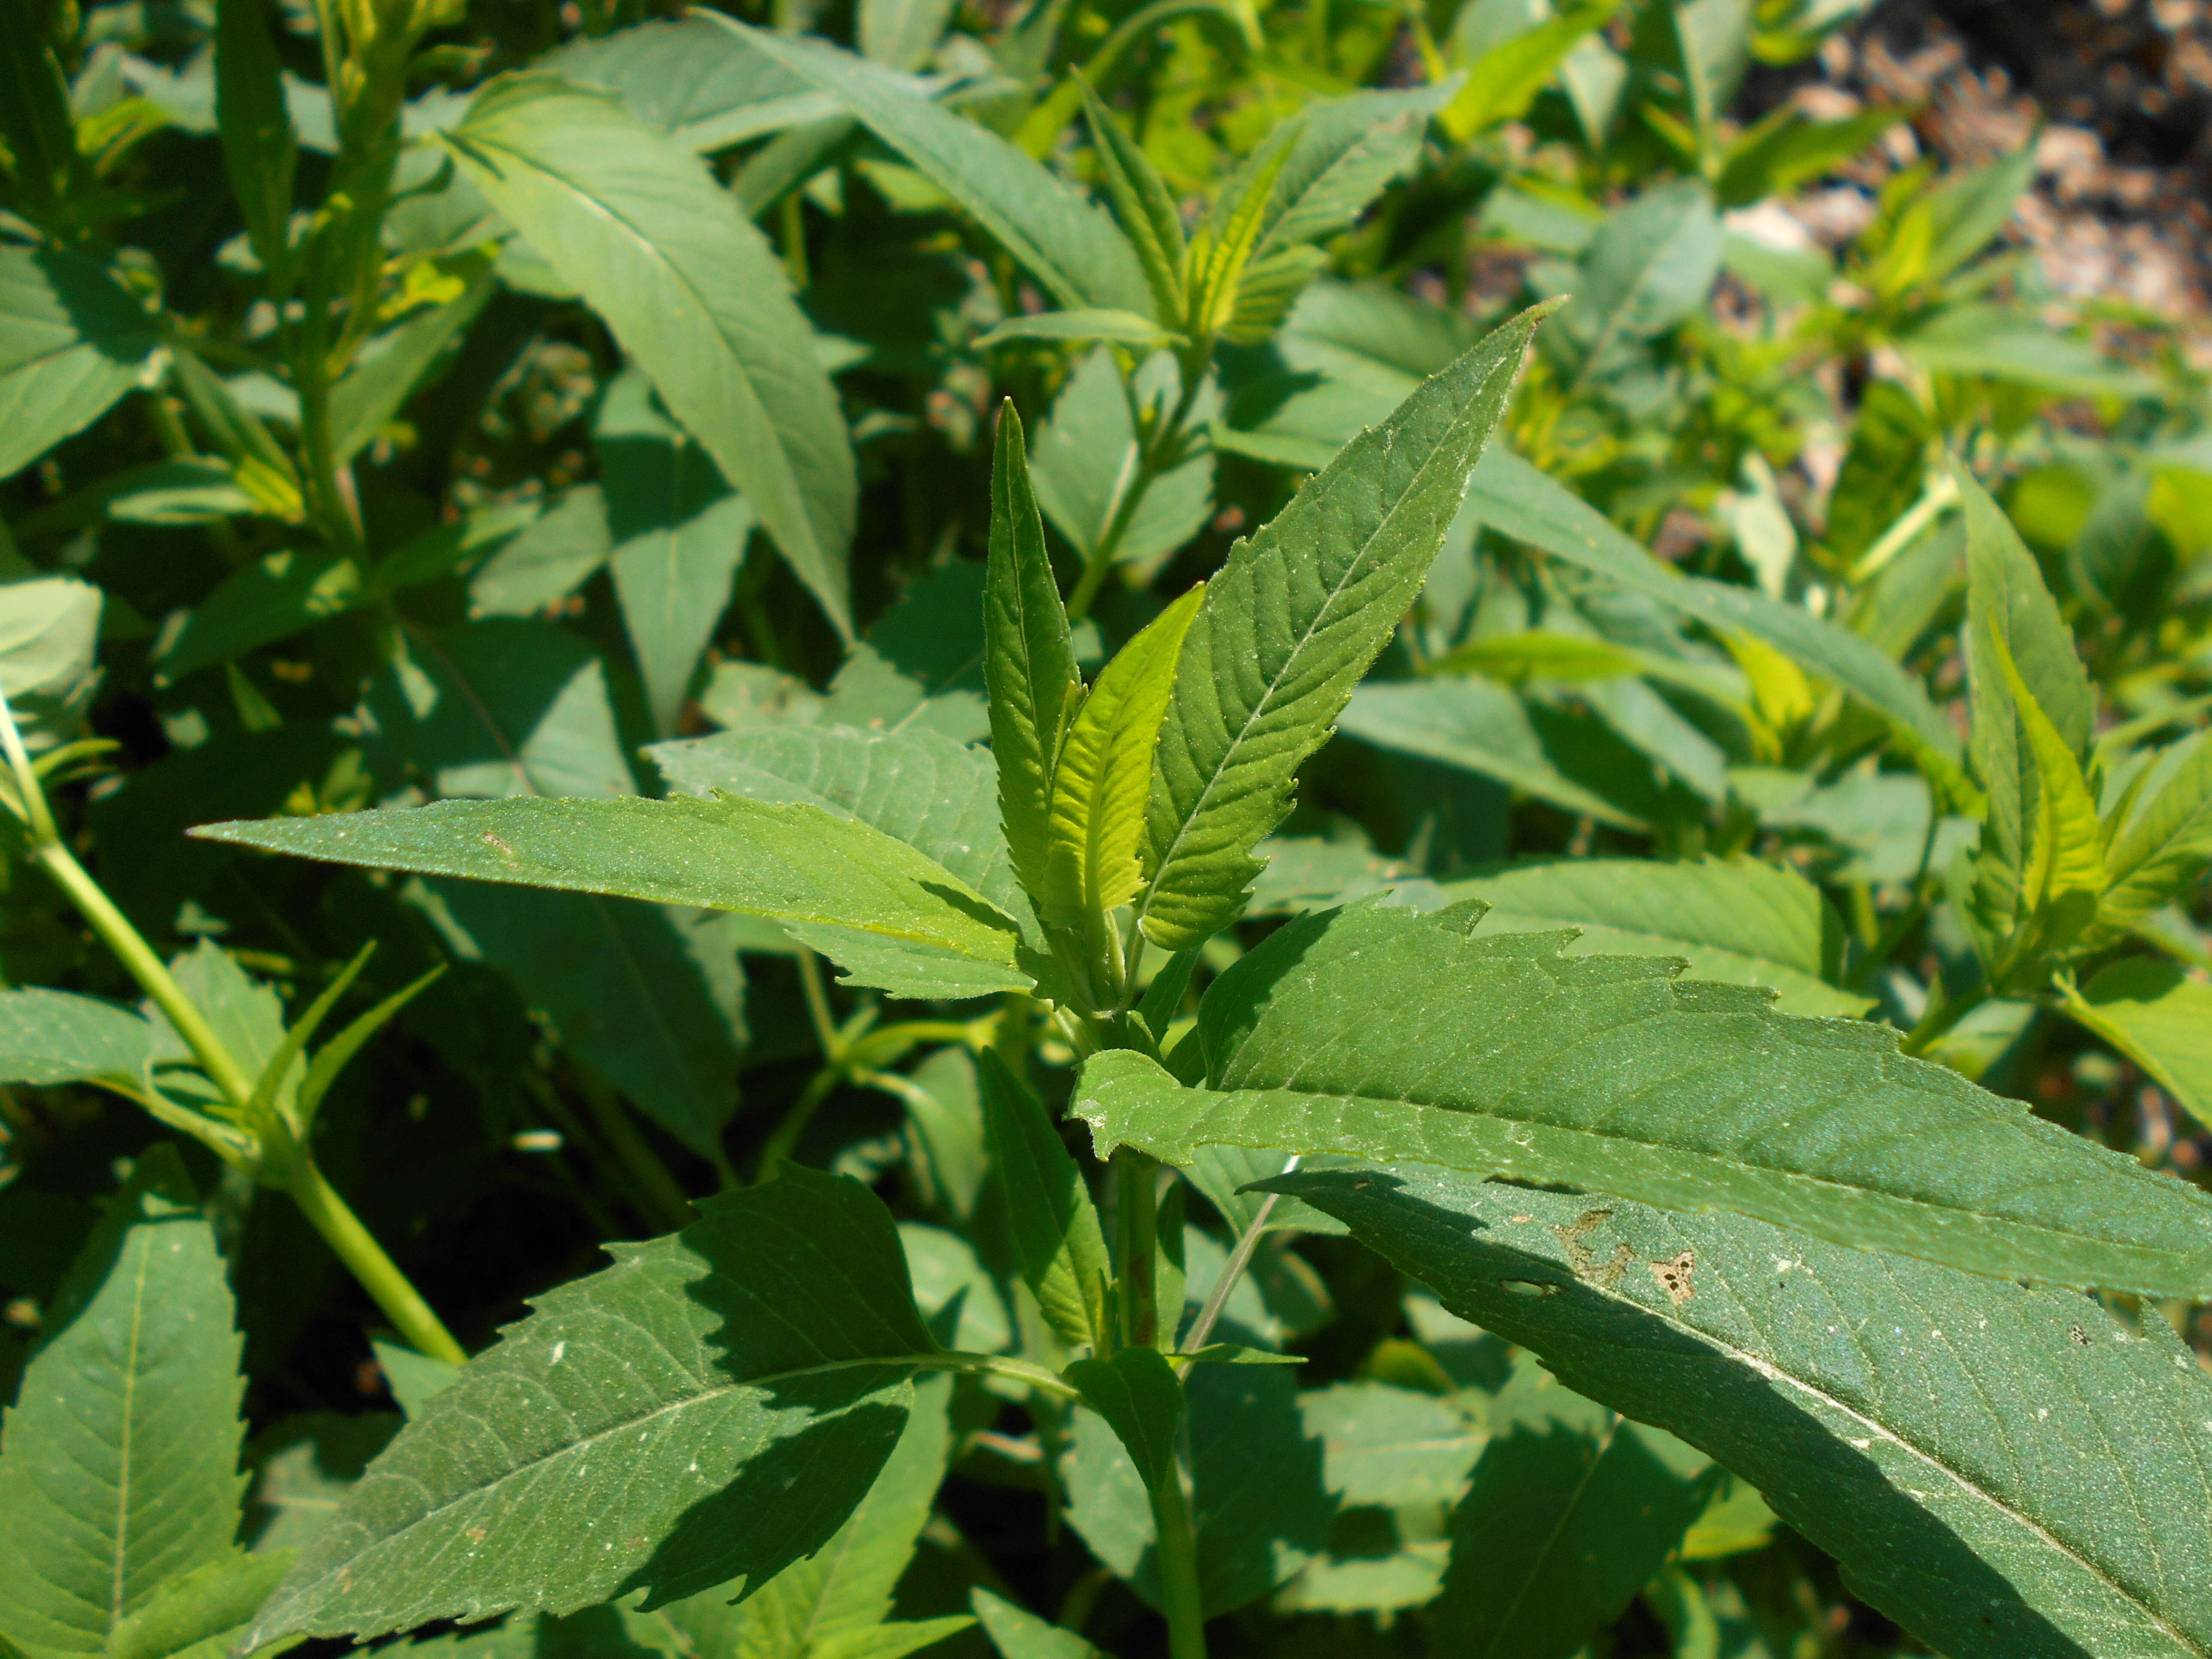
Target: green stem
(818, 1005)
(1936, 1022)
(401, 1303)
(1137, 1224)
(1192, 364)
(993, 1364)
(1239, 1258)
(1178, 1561)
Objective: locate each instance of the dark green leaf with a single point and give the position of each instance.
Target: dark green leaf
(1384, 1033)
(689, 78)
(1137, 1393)
(2012, 1473)
(1018, 1634)
(393, 368)
(259, 149)
(714, 1405)
(1057, 1245)
(72, 340)
(201, 1613)
(119, 1465)
(55, 1036)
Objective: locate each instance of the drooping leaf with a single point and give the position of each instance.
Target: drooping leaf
(1029, 659)
(1059, 1247)
(897, 920)
(1516, 499)
(1289, 626)
(1571, 1512)
(2160, 1017)
(72, 340)
(939, 797)
(679, 533)
(693, 292)
(1555, 754)
(714, 1405)
(1068, 245)
(1385, 1034)
(838, 1601)
(2005, 1470)
(118, 1463)
(1095, 825)
(1738, 921)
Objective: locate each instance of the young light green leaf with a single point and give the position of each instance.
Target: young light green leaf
(2159, 1017)
(1571, 1513)
(201, 1614)
(2161, 845)
(837, 1602)
(1068, 245)
(1967, 211)
(692, 291)
(679, 533)
(1516, 499)
(1122, 327)
(72, 340)
(1137, 1393)
(48, 1037)
(1057, 1241)
(1230, 234)
(897, 920)
(714, 1405)
(1289, 626)
(118, 1463)
(2005, 593)
(1384, 1033)
(1018, 1633)
(1346, 151)
(1148, 215)
(2011, 1473)
(259, 149)
(1738, 922)
(1096, 820)
(1028, 658)
(1502, 81)
(2064, 871)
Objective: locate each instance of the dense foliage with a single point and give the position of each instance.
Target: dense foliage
(1336, 863)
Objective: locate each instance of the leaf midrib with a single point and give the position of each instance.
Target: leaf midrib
(1168, 853)
(1558, 1527)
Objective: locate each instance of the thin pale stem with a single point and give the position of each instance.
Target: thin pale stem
(1239, 1258)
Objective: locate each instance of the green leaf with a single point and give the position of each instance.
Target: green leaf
(415, 1379)
(1967, 211)
(1228, 238)
(921, 665)
(395, 366)
(1347, 151)
(1650, 265)
(72, 340)
(1260, 1509)
(1147, 212)
(1289, 626)
(555, 555)
(838, 1601)
(1555, 754)
(1738, 921)
(303, 1466)
(1068, 245)
(1386, 1446)
(1123, 327)
(259, 604)
(679, 534)
(898, 920)
(1514, 499)
(2159, 1017)
(689, 78)
(1095, 825)
(259, 149)
(1384, 1033)
(48, 1037)
(2005, 593)
(118, 1463)
(1137, 1393)
(2065, 869)
(714, 1405)
(937, 796)
(246, 1016)
(1882, 476)
(1029, 659)
(691, 290)
(1504, 81)
(1057, 1245)
(1714, 40)
(901, 34)
(35, 114)
(202, 1613)
(1087, 451)
(2010, 1473)
(649, 996)
(49, 645)
(2155, 851)
(1571, 1512)
(1776, 156)
(1018, 1633)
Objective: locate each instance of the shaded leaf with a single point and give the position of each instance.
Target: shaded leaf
(2159, 1017)
(1057, 1245)
(72, 340)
